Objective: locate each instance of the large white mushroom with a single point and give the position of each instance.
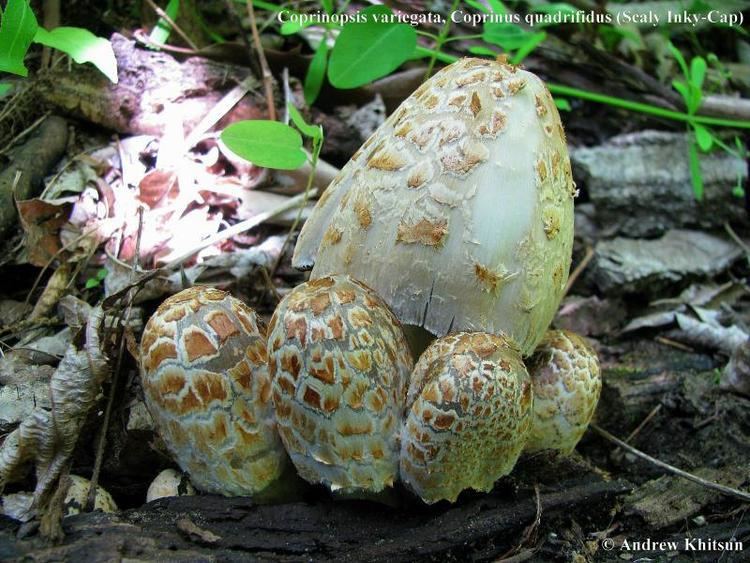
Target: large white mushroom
(458, 211)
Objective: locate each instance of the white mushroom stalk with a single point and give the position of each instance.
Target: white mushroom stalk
(458, 211)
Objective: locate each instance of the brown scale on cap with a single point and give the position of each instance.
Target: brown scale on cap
(468, 414)
(206, 384)
(567, 382)
(340, 365)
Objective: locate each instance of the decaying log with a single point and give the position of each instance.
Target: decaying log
(210, 528)
(154, 90)
(641, 185)
(30, 162)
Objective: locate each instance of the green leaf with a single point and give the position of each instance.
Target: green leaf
(101, 273)
(683, 89)
(497, 7)
(83, 46)
(703, 136)
(478, 6)
(563, 104)
(484, 51)
(92, 282)
(526, 48)
(697, 72)
(555, 8)
(5, 87)
(738, 190)
(316, 72)
(17, 30)
(327, 6)
(162, 29)
(370, 50)
(266, 143)
(509, 36)
(679, 58)
(292, 27)
(695, 171)
(312, 131)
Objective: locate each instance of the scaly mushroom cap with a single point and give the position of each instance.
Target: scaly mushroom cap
(468, 415)
(567, 382)
(206, 385)
(77, 496)
(169, 483)
(340, 364)
(458, 211)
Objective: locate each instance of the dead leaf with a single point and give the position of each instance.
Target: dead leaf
(53, 292)
(41, 222)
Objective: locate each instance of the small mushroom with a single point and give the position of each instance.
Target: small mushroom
(567, 382)
(77, 496)
(340, 365)
(206, 385)
(458, 211)
(169, 483)
(468, 415)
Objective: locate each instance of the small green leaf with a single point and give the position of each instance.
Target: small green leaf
(83, 46)
(478, 6)
(703, 136)
(312, 131)
(509, 36)
(327, 6)
(683, 89)
(697, 72)
(563, 104)
(316, 72)
(738, 190)
(266, 143)
(92, 282)
(163, 28)
(101, 273)
(526, 48)
(695, 171)
(679, 58)
(481, 50)
(17, 29)
(291, 27)
(497, 7)
(370, 50)
(5, 88)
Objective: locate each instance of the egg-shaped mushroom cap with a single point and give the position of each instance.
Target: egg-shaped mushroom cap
(169, 483)
(340, 364)
(76, 497)
(206, 385)
(567, 382)
(468, 415)
(458, 211)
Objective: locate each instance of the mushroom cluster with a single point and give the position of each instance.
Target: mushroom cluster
(456, 219)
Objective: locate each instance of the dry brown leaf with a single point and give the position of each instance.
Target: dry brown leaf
(41, 222)
(53, 292)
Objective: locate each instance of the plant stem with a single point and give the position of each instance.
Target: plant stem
(440, 40)
(639, 107)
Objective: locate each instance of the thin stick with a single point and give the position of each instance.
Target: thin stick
(643, 423)
(241, 227)
(267, 77)
(737, 239)
(23, 133)
(576, 273)
(165, 16)
(219, 110)
(729, 491)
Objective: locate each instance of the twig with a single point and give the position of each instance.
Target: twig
(91, 499)
(674, 344)
(267, 77)
(576, 273)
(643, 423)
(218, 111)
(737, 239)
(729, 491)
(165, 16)
(23, 133)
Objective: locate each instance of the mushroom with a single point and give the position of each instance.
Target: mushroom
(169, 483)
(206, 385)
(77, 495)
(458, 211)
(468, 415)
(567, 382)
(340, 365)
